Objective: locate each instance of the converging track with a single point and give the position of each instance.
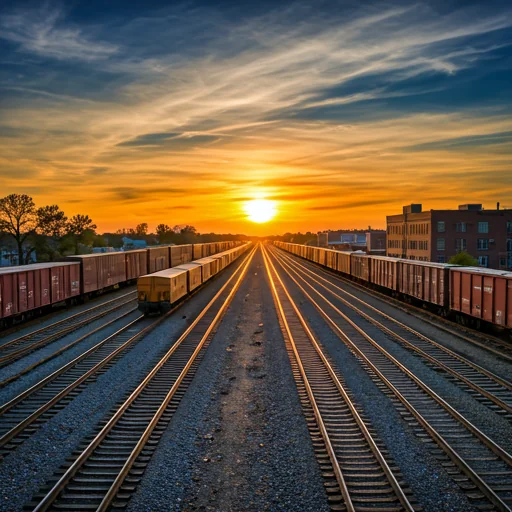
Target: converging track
(362, 478)
(15, 349)
(106, 472)
(480, 466)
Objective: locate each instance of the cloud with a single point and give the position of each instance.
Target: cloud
(319, 110)
(177, 141)
(38, 31)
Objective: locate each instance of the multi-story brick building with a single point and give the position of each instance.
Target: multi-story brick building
(437, 235)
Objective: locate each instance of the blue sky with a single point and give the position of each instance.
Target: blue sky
(142, 110)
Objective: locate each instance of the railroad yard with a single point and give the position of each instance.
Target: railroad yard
(276, 385)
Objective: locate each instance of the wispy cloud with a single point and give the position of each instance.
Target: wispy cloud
(44, 32)
(321, 111)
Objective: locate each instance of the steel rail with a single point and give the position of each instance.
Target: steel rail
(64, 480)
(362, 426)
(426, 316)
(18, 353)
(505, 457)
(480, 371)
(28, 369)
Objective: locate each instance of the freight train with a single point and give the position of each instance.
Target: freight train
(473, 296)
(29, 290)
(160, 291)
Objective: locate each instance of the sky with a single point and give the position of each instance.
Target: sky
(181, 112)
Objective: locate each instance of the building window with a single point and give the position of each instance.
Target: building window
(460, 227)
(503, 262)
(483, 227)
(509, 227)
(482, 244)
(483, 261)
(441, 258)
(509, 244)
(440, 244)
(460, 244)
(440, 226)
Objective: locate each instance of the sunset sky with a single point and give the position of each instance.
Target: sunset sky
(340, 113)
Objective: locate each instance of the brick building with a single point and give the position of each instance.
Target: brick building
(437, 235)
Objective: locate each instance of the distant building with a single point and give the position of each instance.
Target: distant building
(103, 249)
(356, 240)
(129, 244)
(437, 235)
(376, 242)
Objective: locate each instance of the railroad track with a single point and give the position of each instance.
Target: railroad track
(487, 342)
(15, 349)
(107, 470)
(486, 387)
(481, 467)
(28, 369)
(361, 474)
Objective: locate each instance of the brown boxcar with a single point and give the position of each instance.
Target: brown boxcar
(425, 280)
(384, 271)
(101, 271)
(197, 251)
(330, 259)
(482, 293)
(180, 254)
(158, 258)
(360, 266)
(343, 262)
(194, 274)
(208, 266)
(136, 263)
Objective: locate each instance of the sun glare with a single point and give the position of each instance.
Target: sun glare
(260, 210)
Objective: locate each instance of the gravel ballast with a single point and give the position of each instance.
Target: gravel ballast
(25, 471)
(238, 441)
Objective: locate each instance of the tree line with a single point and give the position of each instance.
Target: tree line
(50, 234)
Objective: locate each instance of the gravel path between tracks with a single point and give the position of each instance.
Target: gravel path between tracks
(432, 486)
(33, 463)
(61, 313)
(238, 441)
(478, 355)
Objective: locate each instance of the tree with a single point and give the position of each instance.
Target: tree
(51, 221)
(18, 219)
(141, 229)
(162, 229)
(463, 258)
(80, 229)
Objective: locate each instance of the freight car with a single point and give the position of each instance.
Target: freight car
(30, 290)
(159, 292)
(481, 298)
(33, 289)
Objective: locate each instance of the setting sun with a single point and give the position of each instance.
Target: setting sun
(260, 210)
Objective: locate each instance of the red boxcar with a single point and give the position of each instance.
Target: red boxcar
(28, 287)
(136, 263)
(425, 280)
(384, 271)
(158, 259)
(482, 293)
(65, 280)
(360, 266)
(102, 270)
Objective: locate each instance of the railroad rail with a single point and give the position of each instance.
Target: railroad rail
(15, 349)
(487, 342)
(495, 392)
(107, 470)
(63, 349)
(363, 475)
(481, 467)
